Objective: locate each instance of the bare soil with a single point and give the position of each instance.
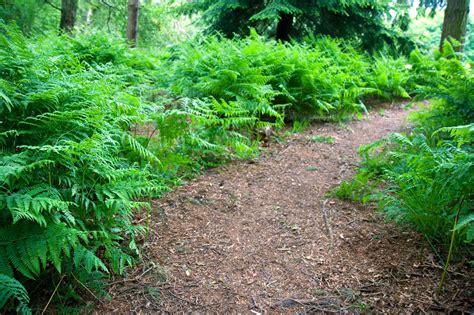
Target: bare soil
(263, 237)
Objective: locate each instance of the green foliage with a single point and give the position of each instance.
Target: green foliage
(299, 125)
(449, 81)
(323, 139)
(155, 20)
(427, 183)
(11, 289)
(89, 129)
(71, 174)
(273, 81)
(36, 17)
(428, 176)
(207, 133)
(30, 15)
(76, 158)
(391, 78)
(426, 32)
(360, 188)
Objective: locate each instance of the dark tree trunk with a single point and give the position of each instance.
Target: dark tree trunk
(132, 27)
(455, 22)
(68, 15)
(284, 27)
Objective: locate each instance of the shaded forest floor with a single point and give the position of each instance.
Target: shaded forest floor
(262, 236)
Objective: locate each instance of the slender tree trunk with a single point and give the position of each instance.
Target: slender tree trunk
(455, 22)
(68, 15)
(132, 27)
(284, 27)
(89, 15)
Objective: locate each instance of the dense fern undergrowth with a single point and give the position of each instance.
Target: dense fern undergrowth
(89, 130)
(323, 78)
(428, 175)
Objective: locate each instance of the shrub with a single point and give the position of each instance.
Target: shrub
(274, 81)
(428, 174)
(75, 162)
(68, 185)
(426, 184)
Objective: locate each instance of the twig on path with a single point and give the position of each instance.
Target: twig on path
(133, 279)
(203, 306)
(327, 223)
(184, 300)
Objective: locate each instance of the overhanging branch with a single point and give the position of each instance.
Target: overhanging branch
(52, 4)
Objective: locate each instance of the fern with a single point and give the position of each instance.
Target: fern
(12, 289)
(273, 81)
(461, 134)
(425, 182)
(428, 174)
(71, 171)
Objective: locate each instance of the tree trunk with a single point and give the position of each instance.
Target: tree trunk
(455, 22)
(132, 27)
(68, 15)
(284, 27)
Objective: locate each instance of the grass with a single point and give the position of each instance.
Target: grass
(323, 139)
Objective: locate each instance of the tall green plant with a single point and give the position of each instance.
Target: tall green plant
(323, 78)
(68, 187)
(429, 173)
(426, 183)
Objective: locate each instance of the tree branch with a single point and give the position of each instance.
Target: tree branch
(108, 4)
(96, 6)
(53, 5)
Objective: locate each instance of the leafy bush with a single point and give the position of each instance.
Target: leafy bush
(68, 184)
(425, 30)
(449, 81)
(324, 78)
(360, 188)
(427, 184)
(428, 175)
(11, 288)
(196, 134)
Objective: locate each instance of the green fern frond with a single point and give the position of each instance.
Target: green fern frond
(138, 148)
(11, 289)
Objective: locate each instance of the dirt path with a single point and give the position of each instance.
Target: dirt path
(254, 237)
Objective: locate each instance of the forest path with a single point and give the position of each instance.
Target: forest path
(260, 236)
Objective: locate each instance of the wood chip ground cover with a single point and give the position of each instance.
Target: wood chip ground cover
(262, 237)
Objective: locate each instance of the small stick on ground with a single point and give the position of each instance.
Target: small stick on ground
(87, 289)
(52, 295)
(133, 279)
(327, 224)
